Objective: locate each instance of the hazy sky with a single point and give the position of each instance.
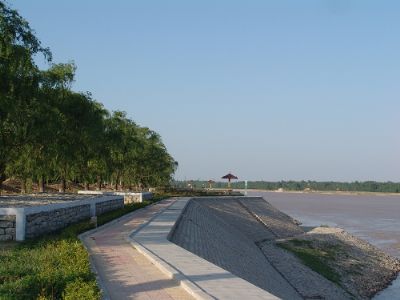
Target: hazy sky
(266, 89)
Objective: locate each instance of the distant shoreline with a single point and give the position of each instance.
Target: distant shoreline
(375, 187)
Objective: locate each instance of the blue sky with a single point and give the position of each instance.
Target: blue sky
(270, 90)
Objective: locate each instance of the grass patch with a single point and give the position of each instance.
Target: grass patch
(55, 266)
(6, 245)
(315, 258)
(111, 215)
(52, 267)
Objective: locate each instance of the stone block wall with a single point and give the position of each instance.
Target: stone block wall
(7, 227)
(132, 198)
(47, 221)
(20, 223)
(106, 206)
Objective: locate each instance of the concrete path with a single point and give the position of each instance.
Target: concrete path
(199, 277)
(122, 271)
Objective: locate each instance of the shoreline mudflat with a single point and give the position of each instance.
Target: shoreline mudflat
(369, 217)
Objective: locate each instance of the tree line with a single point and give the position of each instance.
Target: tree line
(356, 186)
(50, 133)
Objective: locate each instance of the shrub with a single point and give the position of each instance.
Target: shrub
(55, 266)
(81, 290)
(44, 268)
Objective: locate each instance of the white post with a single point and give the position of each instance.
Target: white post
(20, 222)
(245, 187)
(93, 209)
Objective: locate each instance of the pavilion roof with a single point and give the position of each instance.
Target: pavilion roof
(229, 176)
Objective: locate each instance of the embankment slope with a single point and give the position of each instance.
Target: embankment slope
(241, 235)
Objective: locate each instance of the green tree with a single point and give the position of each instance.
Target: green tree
(49, 132)
(91, 152)
(56, 86)
(122, 143)
(19, 81)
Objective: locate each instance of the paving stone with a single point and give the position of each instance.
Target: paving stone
(124, 272)
(223, 232)
(238, 234)
(212, 280)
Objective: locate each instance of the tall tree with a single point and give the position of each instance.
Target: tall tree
(56, 86)
(91, 146)
(19, 80)
(48, 131)
(122, 142)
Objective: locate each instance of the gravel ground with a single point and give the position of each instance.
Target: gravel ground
(239, 234)
(39, 199)
(363, 268)
(308, 283)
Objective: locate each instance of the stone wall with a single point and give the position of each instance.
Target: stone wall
(106, 206)
(132, 198)
(47, 221)
(20, 223)
(129, 197)
(7, 227)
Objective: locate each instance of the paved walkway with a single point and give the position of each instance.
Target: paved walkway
(201, 278)
(123, 272)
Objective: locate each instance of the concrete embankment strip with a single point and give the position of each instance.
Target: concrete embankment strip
(200, 278)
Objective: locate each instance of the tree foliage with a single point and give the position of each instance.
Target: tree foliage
(356, 186)
(48, 132)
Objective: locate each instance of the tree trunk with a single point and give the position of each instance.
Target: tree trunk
(86, 186)
(2, 175)
(116, 183)
(23, 186)
(98, 183)
(63, 185)
(41, 184)
(2, 179)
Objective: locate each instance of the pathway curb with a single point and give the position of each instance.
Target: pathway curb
(198, 277)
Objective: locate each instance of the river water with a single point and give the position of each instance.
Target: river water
(375, 218)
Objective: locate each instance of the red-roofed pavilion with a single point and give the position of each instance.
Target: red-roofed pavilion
(229, 176)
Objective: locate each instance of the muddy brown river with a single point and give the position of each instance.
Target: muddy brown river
(375, 218)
